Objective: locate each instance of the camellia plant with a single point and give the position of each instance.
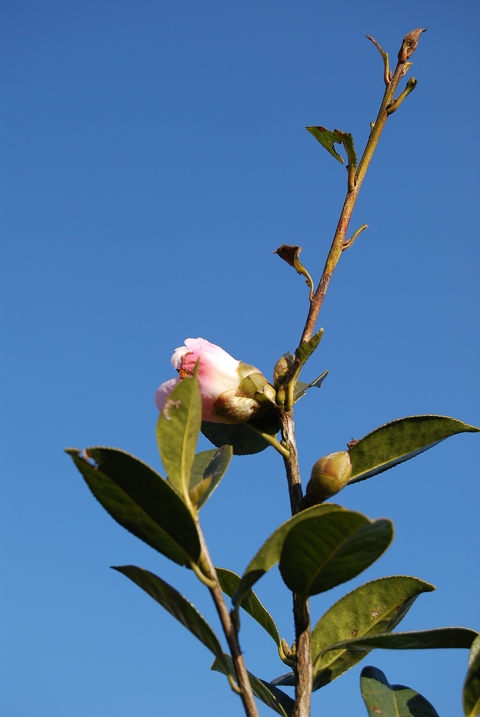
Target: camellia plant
(323, 544)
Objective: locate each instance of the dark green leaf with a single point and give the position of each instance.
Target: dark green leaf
(377, 606)
(243, 439)
(400, 440)
(304, 351)
(276, 699)
(176, 604)
(287, 680)
(229, 582)
(269, 553)
(141, 501)
(302, 387)
(382, 698)
(439, 637)
(471, 686)
(178, 427)
(327, 550)
(208, 469)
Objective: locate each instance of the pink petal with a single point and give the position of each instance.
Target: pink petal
(163, 392)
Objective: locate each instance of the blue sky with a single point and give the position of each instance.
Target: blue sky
(154, 155)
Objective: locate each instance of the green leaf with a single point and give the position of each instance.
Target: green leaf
(377, 606)
(176, 604)
(208, 469)
(269, 553)
(229, 582)
(304, 351)
(141, 501)
(399, 441)
(302, 387)
(243, 439)
(178, 427)
(327, 139)
(382, 698)
(325, 551)
(276, 699)
(347, 141)
(471, 686)
(439, 637)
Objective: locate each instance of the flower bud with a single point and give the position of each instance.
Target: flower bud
(285, 652)
(329, 475)
(232, 391)
(281, 369)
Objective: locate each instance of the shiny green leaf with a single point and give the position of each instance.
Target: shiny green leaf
(176, 604)
(377, 606)
(439, 637)
(229, 582)
(324, 551)
(141, 501)
(382, 698)
(276, 699)
(178, 427)
(399, 441)
(471, 686)
(208, 469)
(269, 553)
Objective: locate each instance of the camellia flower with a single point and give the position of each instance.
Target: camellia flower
(232, 391)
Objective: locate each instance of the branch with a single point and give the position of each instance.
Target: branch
(303, 661)
(244, 686)
(408, 47)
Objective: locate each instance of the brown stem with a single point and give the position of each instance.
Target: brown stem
(303, 661)
(245, 688)
(408, 47)
(291, 461)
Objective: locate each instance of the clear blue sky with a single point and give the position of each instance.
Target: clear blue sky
(154, 154)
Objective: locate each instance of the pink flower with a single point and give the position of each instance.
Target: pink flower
(232, 392)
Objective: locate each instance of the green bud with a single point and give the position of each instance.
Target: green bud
(329, 475)
(253, 384)
(281, 369)
(286, 654)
